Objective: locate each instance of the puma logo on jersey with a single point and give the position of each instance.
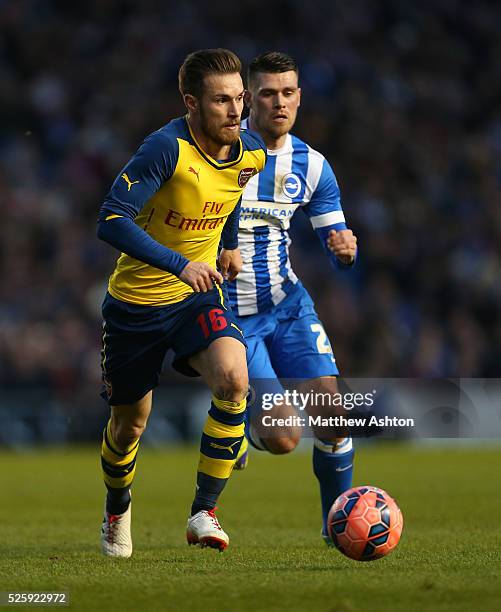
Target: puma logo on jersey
(128, 181)
(195, 172)
(228, 448)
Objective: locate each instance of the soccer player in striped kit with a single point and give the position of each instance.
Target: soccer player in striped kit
(285, 338)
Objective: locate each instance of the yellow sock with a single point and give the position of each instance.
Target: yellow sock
(119, 465)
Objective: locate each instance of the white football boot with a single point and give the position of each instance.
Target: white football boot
(116, 540)
(203, 528)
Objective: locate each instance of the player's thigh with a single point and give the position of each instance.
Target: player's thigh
(303, 358)
(206, 319)
(223, 367)
(134, 347)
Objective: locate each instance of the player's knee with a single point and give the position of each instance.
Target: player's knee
(136, 430)
(127, 433)
(282, 446)
(231, 384)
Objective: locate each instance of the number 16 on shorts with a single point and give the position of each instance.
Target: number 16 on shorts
(212, 321)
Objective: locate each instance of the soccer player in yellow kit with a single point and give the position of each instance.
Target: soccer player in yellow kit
(168, 210)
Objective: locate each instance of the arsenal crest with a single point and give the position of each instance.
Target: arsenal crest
(245, 175)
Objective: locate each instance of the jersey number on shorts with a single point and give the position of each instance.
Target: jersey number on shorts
(323, 344)
(216, 320)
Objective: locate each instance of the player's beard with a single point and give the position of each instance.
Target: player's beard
(273, 131)
(213, 129)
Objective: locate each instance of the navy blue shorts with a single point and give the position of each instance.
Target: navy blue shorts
(136, 339)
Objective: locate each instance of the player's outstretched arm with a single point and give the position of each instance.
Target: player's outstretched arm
(327, 218)
(199, 276)
(230, 263)
(127, 237)
(343, 244)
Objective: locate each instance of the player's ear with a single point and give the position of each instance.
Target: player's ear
(299, 96)
(191, 103)
(247, 98)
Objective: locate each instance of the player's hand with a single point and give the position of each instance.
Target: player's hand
(199, 276)
(343, 244)
(230, 263)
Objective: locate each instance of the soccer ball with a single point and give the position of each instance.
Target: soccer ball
(365, 523)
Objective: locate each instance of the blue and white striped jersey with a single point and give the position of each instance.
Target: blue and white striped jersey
(295, 176)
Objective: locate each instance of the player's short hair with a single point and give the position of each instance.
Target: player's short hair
(201, 63)
(271, 62)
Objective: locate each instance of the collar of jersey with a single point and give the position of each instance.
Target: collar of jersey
(210, 160)
(285, 148)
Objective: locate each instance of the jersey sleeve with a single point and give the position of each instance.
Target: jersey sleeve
(325, 211)
(229, 237)
(144, 174)
(123, 234)
(152, 165)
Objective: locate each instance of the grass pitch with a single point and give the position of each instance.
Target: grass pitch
(448, 559)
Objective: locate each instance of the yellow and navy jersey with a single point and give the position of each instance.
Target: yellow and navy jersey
(181, 198)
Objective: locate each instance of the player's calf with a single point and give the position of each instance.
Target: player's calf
(223, 367)
(118, 460)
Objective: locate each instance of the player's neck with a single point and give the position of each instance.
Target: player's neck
(209, 146)
(272, 143)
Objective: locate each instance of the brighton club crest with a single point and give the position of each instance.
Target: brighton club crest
(291, 185)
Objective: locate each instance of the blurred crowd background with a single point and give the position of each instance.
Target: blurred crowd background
(402, 97)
